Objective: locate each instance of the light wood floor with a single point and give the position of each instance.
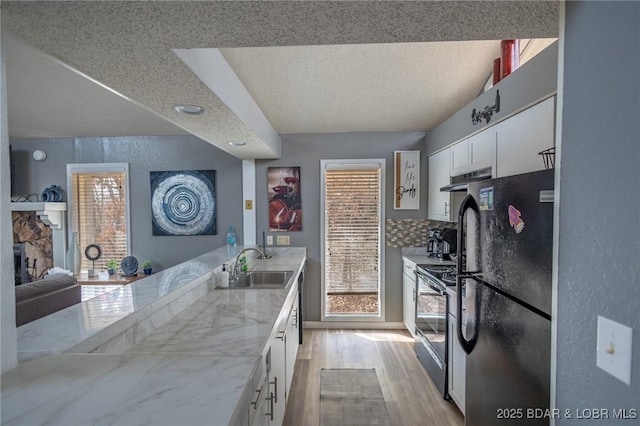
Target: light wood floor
(411, 397)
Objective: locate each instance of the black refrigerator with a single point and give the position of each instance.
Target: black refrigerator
(505, 230)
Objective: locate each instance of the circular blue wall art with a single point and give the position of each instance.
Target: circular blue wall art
(183, 202)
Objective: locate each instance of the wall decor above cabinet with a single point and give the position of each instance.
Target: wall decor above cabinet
(487, 112)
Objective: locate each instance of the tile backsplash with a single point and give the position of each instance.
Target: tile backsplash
(410, 232)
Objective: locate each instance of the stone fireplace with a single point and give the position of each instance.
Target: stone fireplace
(39, 238)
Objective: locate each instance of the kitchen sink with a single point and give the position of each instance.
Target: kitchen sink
(261, 279)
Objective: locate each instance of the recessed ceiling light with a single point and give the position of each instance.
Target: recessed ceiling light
(189, 109)
(236, 143)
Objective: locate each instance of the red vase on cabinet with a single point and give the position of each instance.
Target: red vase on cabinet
(510, 60)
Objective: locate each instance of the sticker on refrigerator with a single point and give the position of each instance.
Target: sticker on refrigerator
(515, 220)
(486, 198)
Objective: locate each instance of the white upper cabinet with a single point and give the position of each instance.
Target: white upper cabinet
(482, 150)
(439, 203)
(521, 137)
(459, 156)
(475, 153)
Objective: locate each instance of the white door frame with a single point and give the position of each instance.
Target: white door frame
(351, 164)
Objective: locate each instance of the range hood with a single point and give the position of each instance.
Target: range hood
(459, 183)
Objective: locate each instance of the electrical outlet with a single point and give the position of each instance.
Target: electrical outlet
(614, 349)
(269, 240)
(283, 240)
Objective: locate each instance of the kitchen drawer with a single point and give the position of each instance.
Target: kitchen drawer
(408, 266)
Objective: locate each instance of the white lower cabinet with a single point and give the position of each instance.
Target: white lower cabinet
(291, 346)
(409, 295)
(259, 403)
(277, 379)
(279, 365)
(456, 365)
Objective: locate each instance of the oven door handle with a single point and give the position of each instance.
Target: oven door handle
(438, 290)
(467, 344)
(429, 283)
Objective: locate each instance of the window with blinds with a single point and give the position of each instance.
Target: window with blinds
(353, 213)
(100, 211)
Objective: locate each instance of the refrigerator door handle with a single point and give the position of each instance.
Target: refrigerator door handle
(467, 204)
(467, 344)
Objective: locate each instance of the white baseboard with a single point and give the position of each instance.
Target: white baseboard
(364, 325)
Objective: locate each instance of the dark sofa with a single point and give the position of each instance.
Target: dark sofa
(43, 297)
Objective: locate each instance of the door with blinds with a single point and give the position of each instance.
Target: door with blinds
(352, 239)
(99, 209)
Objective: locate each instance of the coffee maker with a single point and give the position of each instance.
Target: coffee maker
(432, 242)
(442, 242)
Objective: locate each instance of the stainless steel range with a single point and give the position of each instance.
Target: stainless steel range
(431, 320)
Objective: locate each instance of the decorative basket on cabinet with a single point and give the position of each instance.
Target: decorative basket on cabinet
(549, 157)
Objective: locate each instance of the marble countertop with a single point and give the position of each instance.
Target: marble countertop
(192, 370)
(99, 319)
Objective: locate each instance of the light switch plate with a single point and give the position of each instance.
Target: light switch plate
(269, 240)
(248, 204)
(283, 240)
(614, 349)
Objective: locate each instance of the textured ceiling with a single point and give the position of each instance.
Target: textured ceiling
(47, 99)
(127, 46)
(371, 87)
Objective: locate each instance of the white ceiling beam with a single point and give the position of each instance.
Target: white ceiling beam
(211, 67)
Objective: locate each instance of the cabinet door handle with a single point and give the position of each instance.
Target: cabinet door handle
(446, 207)
(270, 413)
(282, 335)
(275, 388)
(257, 401)
(414, 294)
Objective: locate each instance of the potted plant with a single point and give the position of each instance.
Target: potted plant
(112, 266)
(146, 266)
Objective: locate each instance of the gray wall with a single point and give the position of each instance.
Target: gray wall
(599, 238)
(144, 154)
(8, 341)
(532, 81)
(306, 151)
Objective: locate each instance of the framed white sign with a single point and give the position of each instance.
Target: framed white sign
(406, 180)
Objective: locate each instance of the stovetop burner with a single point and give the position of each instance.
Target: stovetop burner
(438, 270)
(444, 273)
(449, 279)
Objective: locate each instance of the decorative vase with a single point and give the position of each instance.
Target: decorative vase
(510, 59)
(77, 257)
(73, 257)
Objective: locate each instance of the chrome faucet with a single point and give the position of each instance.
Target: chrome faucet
(235, 273)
